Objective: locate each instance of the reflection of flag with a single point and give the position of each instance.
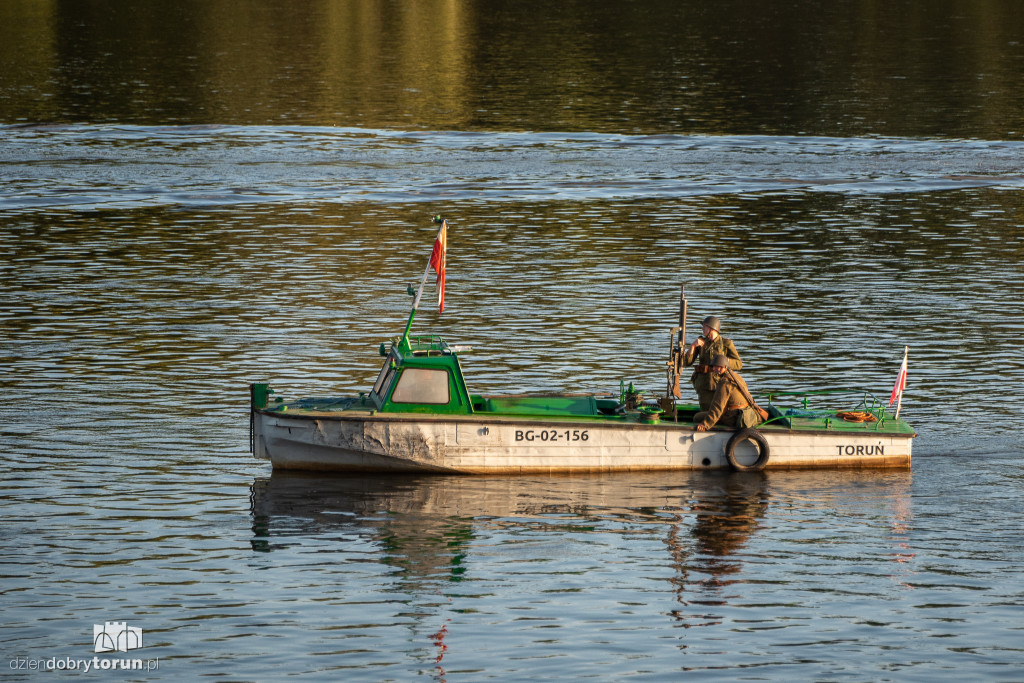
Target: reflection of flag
(438, 258)
(901, 381)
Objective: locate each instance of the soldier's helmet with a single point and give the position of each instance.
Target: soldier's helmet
(720, 360)
(713, 322)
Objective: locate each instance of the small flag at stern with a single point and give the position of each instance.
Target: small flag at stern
(901, 380)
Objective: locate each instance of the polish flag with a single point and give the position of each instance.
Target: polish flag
(901, 381)
(438, 258)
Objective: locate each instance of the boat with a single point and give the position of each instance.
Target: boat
(420, 417)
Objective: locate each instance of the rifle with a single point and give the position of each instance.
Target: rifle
(761, 412)
(677, 337)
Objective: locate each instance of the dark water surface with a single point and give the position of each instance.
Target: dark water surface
(194, 196)
(859, 68)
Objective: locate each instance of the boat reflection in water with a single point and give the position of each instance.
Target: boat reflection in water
(427, 522)
(714, 529)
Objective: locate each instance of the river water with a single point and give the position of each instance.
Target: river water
(196, 196)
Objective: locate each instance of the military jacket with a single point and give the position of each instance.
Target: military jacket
(730, 396)
(720, 346)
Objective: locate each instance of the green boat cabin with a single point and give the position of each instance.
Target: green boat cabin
(423, 375)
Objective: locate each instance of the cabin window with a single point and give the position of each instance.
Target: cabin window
(422, 385)
(378, 386)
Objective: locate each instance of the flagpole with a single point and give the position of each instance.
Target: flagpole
(419, 293)
(423, 282)
(899, 399)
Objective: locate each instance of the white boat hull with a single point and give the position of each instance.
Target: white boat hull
(473, 445)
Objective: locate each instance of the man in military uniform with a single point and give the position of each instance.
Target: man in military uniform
(731, 404)
(700, 353)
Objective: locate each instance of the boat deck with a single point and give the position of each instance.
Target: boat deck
(594, 408)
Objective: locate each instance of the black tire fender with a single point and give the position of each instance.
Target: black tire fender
(738, 438)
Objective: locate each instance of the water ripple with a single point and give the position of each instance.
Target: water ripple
(107, 167)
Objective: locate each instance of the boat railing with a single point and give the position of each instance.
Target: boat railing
(868, 401)
(424, 345)
(820, 404)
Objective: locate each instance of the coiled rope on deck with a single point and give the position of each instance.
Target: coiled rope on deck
(857, 416)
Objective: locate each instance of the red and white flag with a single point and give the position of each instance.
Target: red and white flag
(438, 258)
(901, 381)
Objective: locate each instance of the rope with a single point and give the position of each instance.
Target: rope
(856, 416)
